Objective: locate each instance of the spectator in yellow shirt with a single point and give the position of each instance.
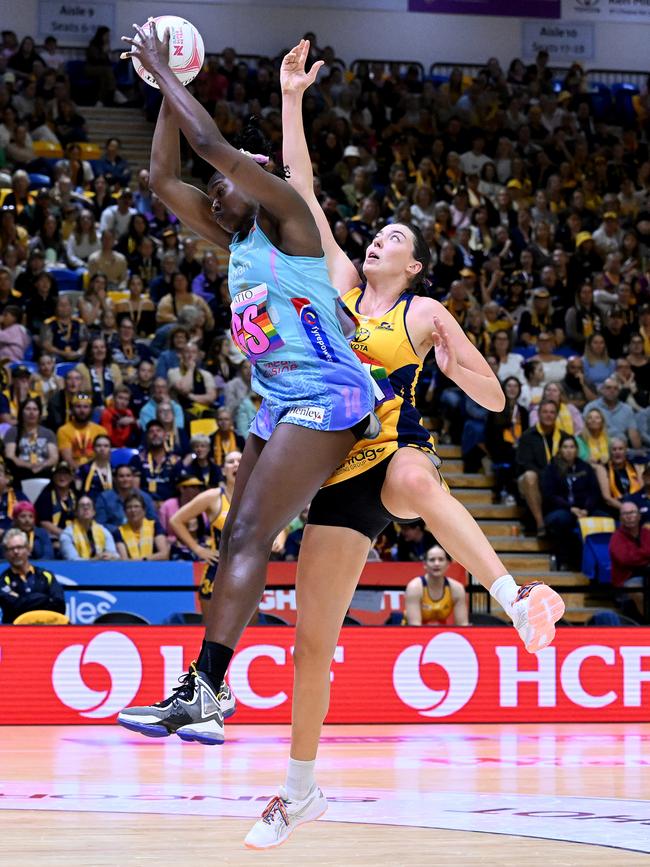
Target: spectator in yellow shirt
(75, 439)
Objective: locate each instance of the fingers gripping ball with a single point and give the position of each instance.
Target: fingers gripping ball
(186, 50)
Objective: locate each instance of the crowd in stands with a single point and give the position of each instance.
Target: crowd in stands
(535, 203)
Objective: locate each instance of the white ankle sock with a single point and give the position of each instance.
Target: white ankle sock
(505, 590)
(300, 779)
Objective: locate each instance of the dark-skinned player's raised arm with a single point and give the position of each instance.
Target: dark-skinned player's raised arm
(192, 207)
(283, 211)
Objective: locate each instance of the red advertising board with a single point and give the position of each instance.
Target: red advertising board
(385, 675)
(279, 596)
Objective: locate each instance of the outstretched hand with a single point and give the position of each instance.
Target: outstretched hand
(152, 52)
(445, 350)
(293, 78)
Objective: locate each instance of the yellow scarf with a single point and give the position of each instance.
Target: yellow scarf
(564, 420)
(82, 541)
(598, 447)
(105, 481)
(646, 340)
(139, 543)
(629, 470)
(556, 441)
(222, 448)
(512, 434)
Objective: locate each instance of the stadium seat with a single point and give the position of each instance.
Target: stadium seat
(67, 279)
(37, 180)
(89, 150)
(47, 150)
(33, 487)
(122, 456)
(64, 366)
(123, 618)
(40, 617)
(184, 618)
(30, 365)
(205, 426)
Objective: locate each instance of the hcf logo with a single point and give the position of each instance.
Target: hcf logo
(456, 656)
(118, 655)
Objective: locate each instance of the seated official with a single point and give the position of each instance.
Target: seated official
(84, 538)
(140, 538)
(40, 546)
(24, 587)
(433, 597)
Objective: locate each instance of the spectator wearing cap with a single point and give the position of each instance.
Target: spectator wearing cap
(96, 476)
(110, 503)
(25, 282)
(620, 419)
(24, 519)
(539, 318)
(64, 336)
(31, 448)
(11, 234)
(608, 237)
(109, 262)
(155, 464)
(75, 439)
(139, 537)
(56, 503)
(187, 486)
(84, 538)
(616, 333)
(24, 587)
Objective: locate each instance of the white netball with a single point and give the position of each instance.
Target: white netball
(186, 50)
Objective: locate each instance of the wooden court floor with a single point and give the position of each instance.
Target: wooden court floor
(406, 795)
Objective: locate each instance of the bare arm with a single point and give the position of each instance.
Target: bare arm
(297, 233)
(603, 483)
(295, 154)
(456, 356)
(161, 548)
(413, 598)
(460, 603)
(192, 207)
(208, 502)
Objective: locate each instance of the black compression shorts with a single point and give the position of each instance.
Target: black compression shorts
(355, 504)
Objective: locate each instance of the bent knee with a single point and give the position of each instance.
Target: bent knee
(312, 651)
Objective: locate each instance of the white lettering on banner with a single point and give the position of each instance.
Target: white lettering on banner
(240, 682)
(570, 675)
(118, 655)
(510, 676)
(173, 666)
(633, 675)
(451, 652)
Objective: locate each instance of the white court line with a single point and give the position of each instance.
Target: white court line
(621, 824)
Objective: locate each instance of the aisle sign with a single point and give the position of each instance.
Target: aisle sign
(564, 40)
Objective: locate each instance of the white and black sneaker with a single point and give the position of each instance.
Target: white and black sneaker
(193, 711)
(281, 818)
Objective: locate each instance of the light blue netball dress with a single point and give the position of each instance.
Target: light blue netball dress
(285, 320)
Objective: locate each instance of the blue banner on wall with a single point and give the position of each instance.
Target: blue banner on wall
(83, 606)
(529, 9)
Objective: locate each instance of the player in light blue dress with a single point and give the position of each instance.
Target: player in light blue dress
(317, 398)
